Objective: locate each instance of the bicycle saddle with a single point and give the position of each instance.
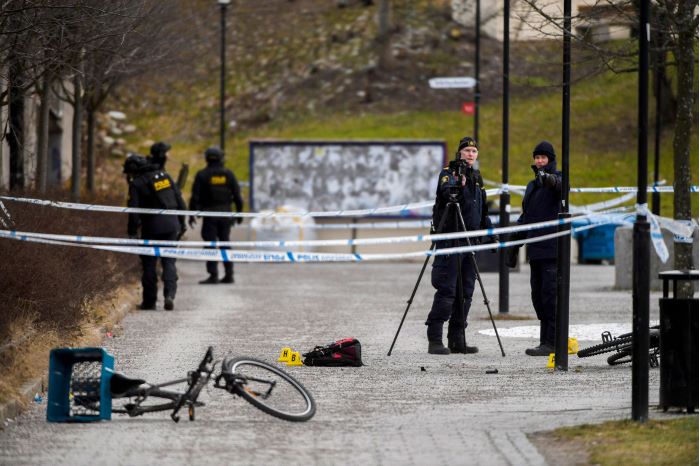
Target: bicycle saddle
(120, 383)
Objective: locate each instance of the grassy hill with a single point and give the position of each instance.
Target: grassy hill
(307, 79)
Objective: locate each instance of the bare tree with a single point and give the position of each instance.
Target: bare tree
(674, 30)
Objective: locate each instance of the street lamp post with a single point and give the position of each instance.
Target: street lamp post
(504, 217)
(223, 4)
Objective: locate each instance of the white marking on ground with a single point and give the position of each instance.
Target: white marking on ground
(583, 332)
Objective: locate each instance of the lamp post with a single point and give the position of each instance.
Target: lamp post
(223, 4)
(504, 217)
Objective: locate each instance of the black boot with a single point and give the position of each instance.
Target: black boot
(228, 279)
(436, 347)
(211, 280)
(169, 303)
(541, 350)
(459, 345)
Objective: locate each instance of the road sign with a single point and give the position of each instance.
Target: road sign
(452, 83)
(468, 108)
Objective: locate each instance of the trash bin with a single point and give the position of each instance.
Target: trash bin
(678, 344)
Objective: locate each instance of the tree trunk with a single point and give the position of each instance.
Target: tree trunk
(383, 13)
(75, 152)
(15, 132)
(42, 139)
(685, 58)
(91, 147)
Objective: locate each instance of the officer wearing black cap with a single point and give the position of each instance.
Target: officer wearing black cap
(540, 204)
(472, 202)
(214, 189)
(159, 154)
(153, 188)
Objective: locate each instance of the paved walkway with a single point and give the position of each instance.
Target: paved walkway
(410, 408)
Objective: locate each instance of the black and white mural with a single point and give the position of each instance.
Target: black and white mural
(328, 175)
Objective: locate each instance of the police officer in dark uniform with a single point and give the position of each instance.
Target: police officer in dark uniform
(472, 202)
(159, 154)
(214, 189)
(153, 188)
(540, 204)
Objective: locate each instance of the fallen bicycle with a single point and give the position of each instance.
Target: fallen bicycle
(82, 385)
(622, 346)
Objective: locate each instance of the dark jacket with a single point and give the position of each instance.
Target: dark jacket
(155, 189)
(541, 203)
(472, 202)
(215, 188)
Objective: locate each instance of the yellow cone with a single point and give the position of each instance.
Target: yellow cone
(573, 346)
(295, 359)
(550, 363)
(285, 354)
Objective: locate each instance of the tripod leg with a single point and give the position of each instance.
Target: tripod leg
(415, 288)
(410, 301)
(481, 285)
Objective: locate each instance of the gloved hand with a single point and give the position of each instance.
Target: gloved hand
(238, 220)
(492, 239)
(192, 221)
(547, 179)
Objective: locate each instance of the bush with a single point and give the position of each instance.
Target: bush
(49, 284)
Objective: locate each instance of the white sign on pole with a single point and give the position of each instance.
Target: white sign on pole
(452, 83)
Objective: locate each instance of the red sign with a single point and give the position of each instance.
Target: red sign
(468, 108)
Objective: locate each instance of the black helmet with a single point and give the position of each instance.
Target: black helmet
(159, 149)
(214, 154)
(134, 163)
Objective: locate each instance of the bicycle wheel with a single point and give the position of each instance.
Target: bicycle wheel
(605, 347)
(270, 389)
(623, 357)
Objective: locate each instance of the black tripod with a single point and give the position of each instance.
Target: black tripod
(453, 204)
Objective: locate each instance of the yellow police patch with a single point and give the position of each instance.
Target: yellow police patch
(217, 180)
(162, 184)
(444, 179)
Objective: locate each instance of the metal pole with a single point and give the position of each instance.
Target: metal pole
(656, 197)
(477, 59)
(505, 197)
(222, 119)
(640, 262)
(561, 357)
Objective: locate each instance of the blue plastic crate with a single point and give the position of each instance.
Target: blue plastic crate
(597, 243)
(79, 385)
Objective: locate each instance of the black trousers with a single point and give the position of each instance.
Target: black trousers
(217, 229)
(149, 276)
(445, 306)
(543, 284)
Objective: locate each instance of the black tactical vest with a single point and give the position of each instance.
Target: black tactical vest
(161, 185)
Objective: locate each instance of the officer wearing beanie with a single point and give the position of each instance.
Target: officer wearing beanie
(215, 188)
(159, 154)
(153, 188)
(472, 202)
(541, 203)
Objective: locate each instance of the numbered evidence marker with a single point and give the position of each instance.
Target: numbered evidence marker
(295, 359)
(550, 363)
(285, 354)
(573, 346)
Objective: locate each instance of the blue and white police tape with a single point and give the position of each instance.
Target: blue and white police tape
(229, 255)
(201, 213)
(613, 216)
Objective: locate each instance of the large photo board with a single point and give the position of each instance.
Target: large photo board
(341, 175)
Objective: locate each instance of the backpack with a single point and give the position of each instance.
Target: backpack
(345, 352)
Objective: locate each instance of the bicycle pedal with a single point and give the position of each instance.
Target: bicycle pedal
(606, 336)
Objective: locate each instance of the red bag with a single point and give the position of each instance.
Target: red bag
(345, 352)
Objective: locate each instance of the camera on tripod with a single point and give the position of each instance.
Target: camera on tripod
(458, 167)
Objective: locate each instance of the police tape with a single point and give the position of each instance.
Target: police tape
(229, 255)
(612, 216)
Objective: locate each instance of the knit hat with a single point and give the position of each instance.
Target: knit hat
(467, 142)
(544, 148)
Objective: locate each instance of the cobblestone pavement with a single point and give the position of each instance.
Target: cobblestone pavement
(409, 408)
